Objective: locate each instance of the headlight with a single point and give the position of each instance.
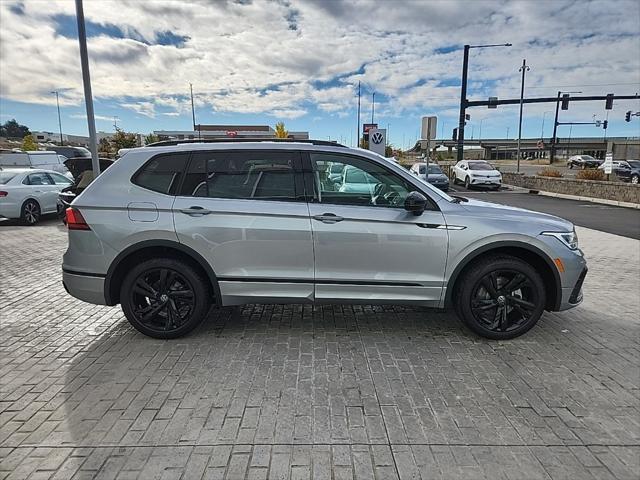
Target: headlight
(570, 239)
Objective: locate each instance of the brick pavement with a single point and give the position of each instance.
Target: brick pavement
(301, 393)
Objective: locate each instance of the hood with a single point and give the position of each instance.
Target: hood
(78, 165)
(438, 176)
(497, 210)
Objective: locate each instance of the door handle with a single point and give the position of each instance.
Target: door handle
(328, 218)
(195, 211)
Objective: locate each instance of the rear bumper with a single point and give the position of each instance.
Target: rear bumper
(85, 287)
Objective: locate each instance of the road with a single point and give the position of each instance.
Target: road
(606, 218)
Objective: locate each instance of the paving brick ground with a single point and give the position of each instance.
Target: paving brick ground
(301, 393)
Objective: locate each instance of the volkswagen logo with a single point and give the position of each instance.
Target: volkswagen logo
(377, 138)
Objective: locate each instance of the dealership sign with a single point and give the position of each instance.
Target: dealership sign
(377, 140)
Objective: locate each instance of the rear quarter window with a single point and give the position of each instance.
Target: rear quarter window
(162, 173)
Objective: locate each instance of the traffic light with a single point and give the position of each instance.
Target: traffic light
(627, 116)
(605, 124)
(608, 103)
(565, 101)
(455, 134)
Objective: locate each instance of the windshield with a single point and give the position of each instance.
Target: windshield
(480, 166)
(634, 163)
(433, 169)
(355, 175)
(587, 157)
(5, 177)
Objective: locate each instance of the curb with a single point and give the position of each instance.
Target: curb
(603, 201)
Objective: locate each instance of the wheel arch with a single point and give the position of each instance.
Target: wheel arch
(153, 249)
(526, 252)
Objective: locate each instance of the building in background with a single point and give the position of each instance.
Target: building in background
(79, 140)
(217, 132)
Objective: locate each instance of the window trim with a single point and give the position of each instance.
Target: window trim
(308, 170)
(137, 173)
(298, 186)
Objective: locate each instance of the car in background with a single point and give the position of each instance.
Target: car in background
(476, 173)
(355, 180)
(583, 161)
(626, 170)
(27, 193)
(47, 160)
(335, 172)
(436, 176)
(72, 152)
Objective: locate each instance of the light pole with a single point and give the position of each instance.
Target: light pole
(59, 120)
(463, 94)
(373, 105)
(86, 80)
(555, 127)
(524, 69)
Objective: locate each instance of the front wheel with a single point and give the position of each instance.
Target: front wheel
(164, 298)
(500, 297)
(467, 183)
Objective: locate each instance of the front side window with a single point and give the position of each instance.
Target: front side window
(259, 175)
(38, 179)
(363, 182)
(162, 173)
(60, 179)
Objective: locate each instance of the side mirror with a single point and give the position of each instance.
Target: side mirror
(415, 203)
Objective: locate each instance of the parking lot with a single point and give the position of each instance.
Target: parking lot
(328, 392)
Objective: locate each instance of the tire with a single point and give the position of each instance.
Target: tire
(174, 302)
(500, 315)
(635, 179)
(455, 178)
(30, 212)
(467, 183)
(583, 166)
(570, 165)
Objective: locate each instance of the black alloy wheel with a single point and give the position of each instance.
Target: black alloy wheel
(164, 298)
(502, 297)
(30, 212)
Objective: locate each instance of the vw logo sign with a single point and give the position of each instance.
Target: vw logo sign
(377, 138)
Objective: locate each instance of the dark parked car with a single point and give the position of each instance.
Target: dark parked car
(583, 161)
(626, 170)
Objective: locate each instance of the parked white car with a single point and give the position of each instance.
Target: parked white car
(28, 194)
(476, 173)
(35, 159)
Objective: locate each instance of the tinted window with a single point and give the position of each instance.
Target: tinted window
(480, 166)
(162, 173)
(256, 175)
(44, 159)
(38, 179)
(60, 179)
(363, 182)
(634, 163)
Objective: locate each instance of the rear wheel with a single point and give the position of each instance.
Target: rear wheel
(164, 298)
(635, 179)
(500, 297)
(30, 214)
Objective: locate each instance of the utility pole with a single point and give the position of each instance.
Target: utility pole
(554, 140)
(524, 68)
(358, 129)
(193, 111)
(59, 120)
(86, 80)
(373, 105)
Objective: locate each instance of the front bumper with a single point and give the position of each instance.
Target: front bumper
(485, 181)
(572, 295)
(85, 287)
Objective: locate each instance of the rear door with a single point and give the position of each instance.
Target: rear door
(367, 246)
(245, 212)
(42, 188)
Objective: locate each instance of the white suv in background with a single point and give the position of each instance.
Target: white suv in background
(476, 173)
(35, 159)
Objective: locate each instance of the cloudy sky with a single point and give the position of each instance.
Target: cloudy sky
(259, 61)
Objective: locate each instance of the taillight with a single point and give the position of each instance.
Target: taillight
(3, 194)
(75, 220)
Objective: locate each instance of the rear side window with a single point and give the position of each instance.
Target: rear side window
(38, 179)
(256, 175)
(162, 173)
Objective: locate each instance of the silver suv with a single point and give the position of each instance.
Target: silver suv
(170, 230)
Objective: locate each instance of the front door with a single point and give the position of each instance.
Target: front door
(245, 212)
(367, 246)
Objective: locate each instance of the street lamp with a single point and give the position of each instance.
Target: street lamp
(524, 69)
(59, 120)
(555, 126)
(463, 93)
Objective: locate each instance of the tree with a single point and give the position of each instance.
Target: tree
(104, 147)
(12, 128)
(388, 151)
(280, 131)
(123, 139)
(151, 138)
(29, 144)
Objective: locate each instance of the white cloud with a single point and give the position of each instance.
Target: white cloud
(287, 58)
(97, 117)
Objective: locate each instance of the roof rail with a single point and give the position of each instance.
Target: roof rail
(165, 143)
